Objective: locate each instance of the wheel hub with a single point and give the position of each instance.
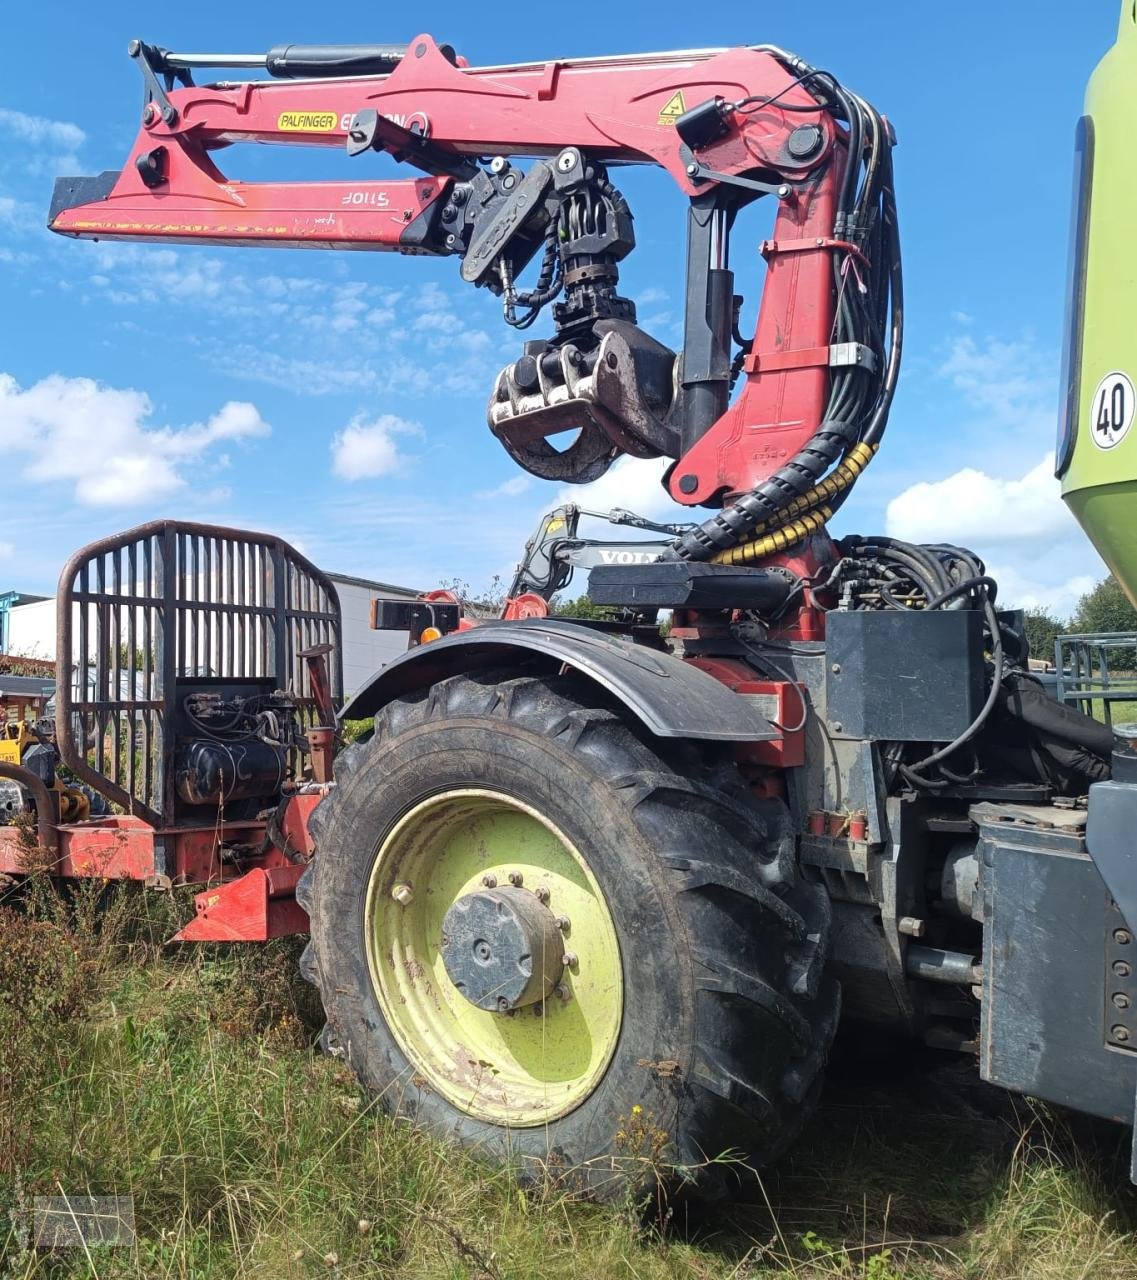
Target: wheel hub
(517, 1065)
(502, 948)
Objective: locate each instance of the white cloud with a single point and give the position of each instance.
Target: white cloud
(1011, 384)
(631, 483)
(365, 450)
(650, 296)
(19, 216)
(235, 420)
(1019, 525)
(99, 438)
(418, 344)
(39, 130)
(974, 506)
(507, 489)
(1004, 501)
(1024, 590)
(51, 144)
(122, 481)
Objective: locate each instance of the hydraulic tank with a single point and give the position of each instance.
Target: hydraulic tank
(210, 772)
(1096, 457)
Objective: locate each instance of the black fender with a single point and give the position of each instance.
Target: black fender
(671, 698)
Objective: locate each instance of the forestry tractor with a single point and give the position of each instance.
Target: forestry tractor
(592, 897)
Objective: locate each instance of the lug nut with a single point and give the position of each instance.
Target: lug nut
(542, 892)
(910, 926)
(1122, 968)
(1122, 936)
(571, 960)
(562, 992)
(403, 893)
(1119, 1033)
(562, 923)
(489, 881)
(1120, 1000)
(516, 879)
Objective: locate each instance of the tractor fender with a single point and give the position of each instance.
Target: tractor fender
(671, 698)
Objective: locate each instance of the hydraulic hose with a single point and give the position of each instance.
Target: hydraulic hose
(870, 314)
(843, 476)
(779, 540)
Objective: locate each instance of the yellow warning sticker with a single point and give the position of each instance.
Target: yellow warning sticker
(307, 121)
(673, 108)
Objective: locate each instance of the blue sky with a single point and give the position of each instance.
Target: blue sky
(339, 399)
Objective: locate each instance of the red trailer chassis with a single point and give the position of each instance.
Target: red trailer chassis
(141, 618)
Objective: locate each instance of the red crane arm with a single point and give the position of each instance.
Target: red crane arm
(621, 109)
(728, 125)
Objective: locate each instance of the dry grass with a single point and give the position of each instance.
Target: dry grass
(184, 1078)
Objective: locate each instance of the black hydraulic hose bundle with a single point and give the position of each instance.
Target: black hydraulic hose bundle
(870, 311)
(884, 573)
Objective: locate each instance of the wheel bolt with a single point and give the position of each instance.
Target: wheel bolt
(562, 923)
(571, 960)
(562, 992)
(542, 893)
(1120, 1033)
(1120, 1000)
(403, 893)
(489, 881)
(1122, 936)
(516, 879)
(1122, 968)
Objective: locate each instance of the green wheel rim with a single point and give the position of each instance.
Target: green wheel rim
(520, 1069)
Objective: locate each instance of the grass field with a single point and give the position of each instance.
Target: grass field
(185, 1078)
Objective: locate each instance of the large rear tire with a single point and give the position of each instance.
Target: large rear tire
(694, 1016)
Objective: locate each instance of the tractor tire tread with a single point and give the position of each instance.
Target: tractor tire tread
(765, 1011)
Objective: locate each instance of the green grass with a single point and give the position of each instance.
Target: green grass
(185, 1078)
(1122, 712)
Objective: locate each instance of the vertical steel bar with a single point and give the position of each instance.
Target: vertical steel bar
(149, 589)
(114, 615)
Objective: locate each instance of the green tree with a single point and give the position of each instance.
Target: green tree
(1105, 608)
(581, 607)
(1042, 629)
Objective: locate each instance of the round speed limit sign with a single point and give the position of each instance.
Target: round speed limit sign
(1111, 412)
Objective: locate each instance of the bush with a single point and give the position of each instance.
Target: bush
(44, 984)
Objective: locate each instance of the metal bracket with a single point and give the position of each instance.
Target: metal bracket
(372, 132)
(698, 173)
(1120, 1010)
(838, 355)
(151, 60)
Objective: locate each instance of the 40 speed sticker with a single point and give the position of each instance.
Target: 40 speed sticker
(1111, 410)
